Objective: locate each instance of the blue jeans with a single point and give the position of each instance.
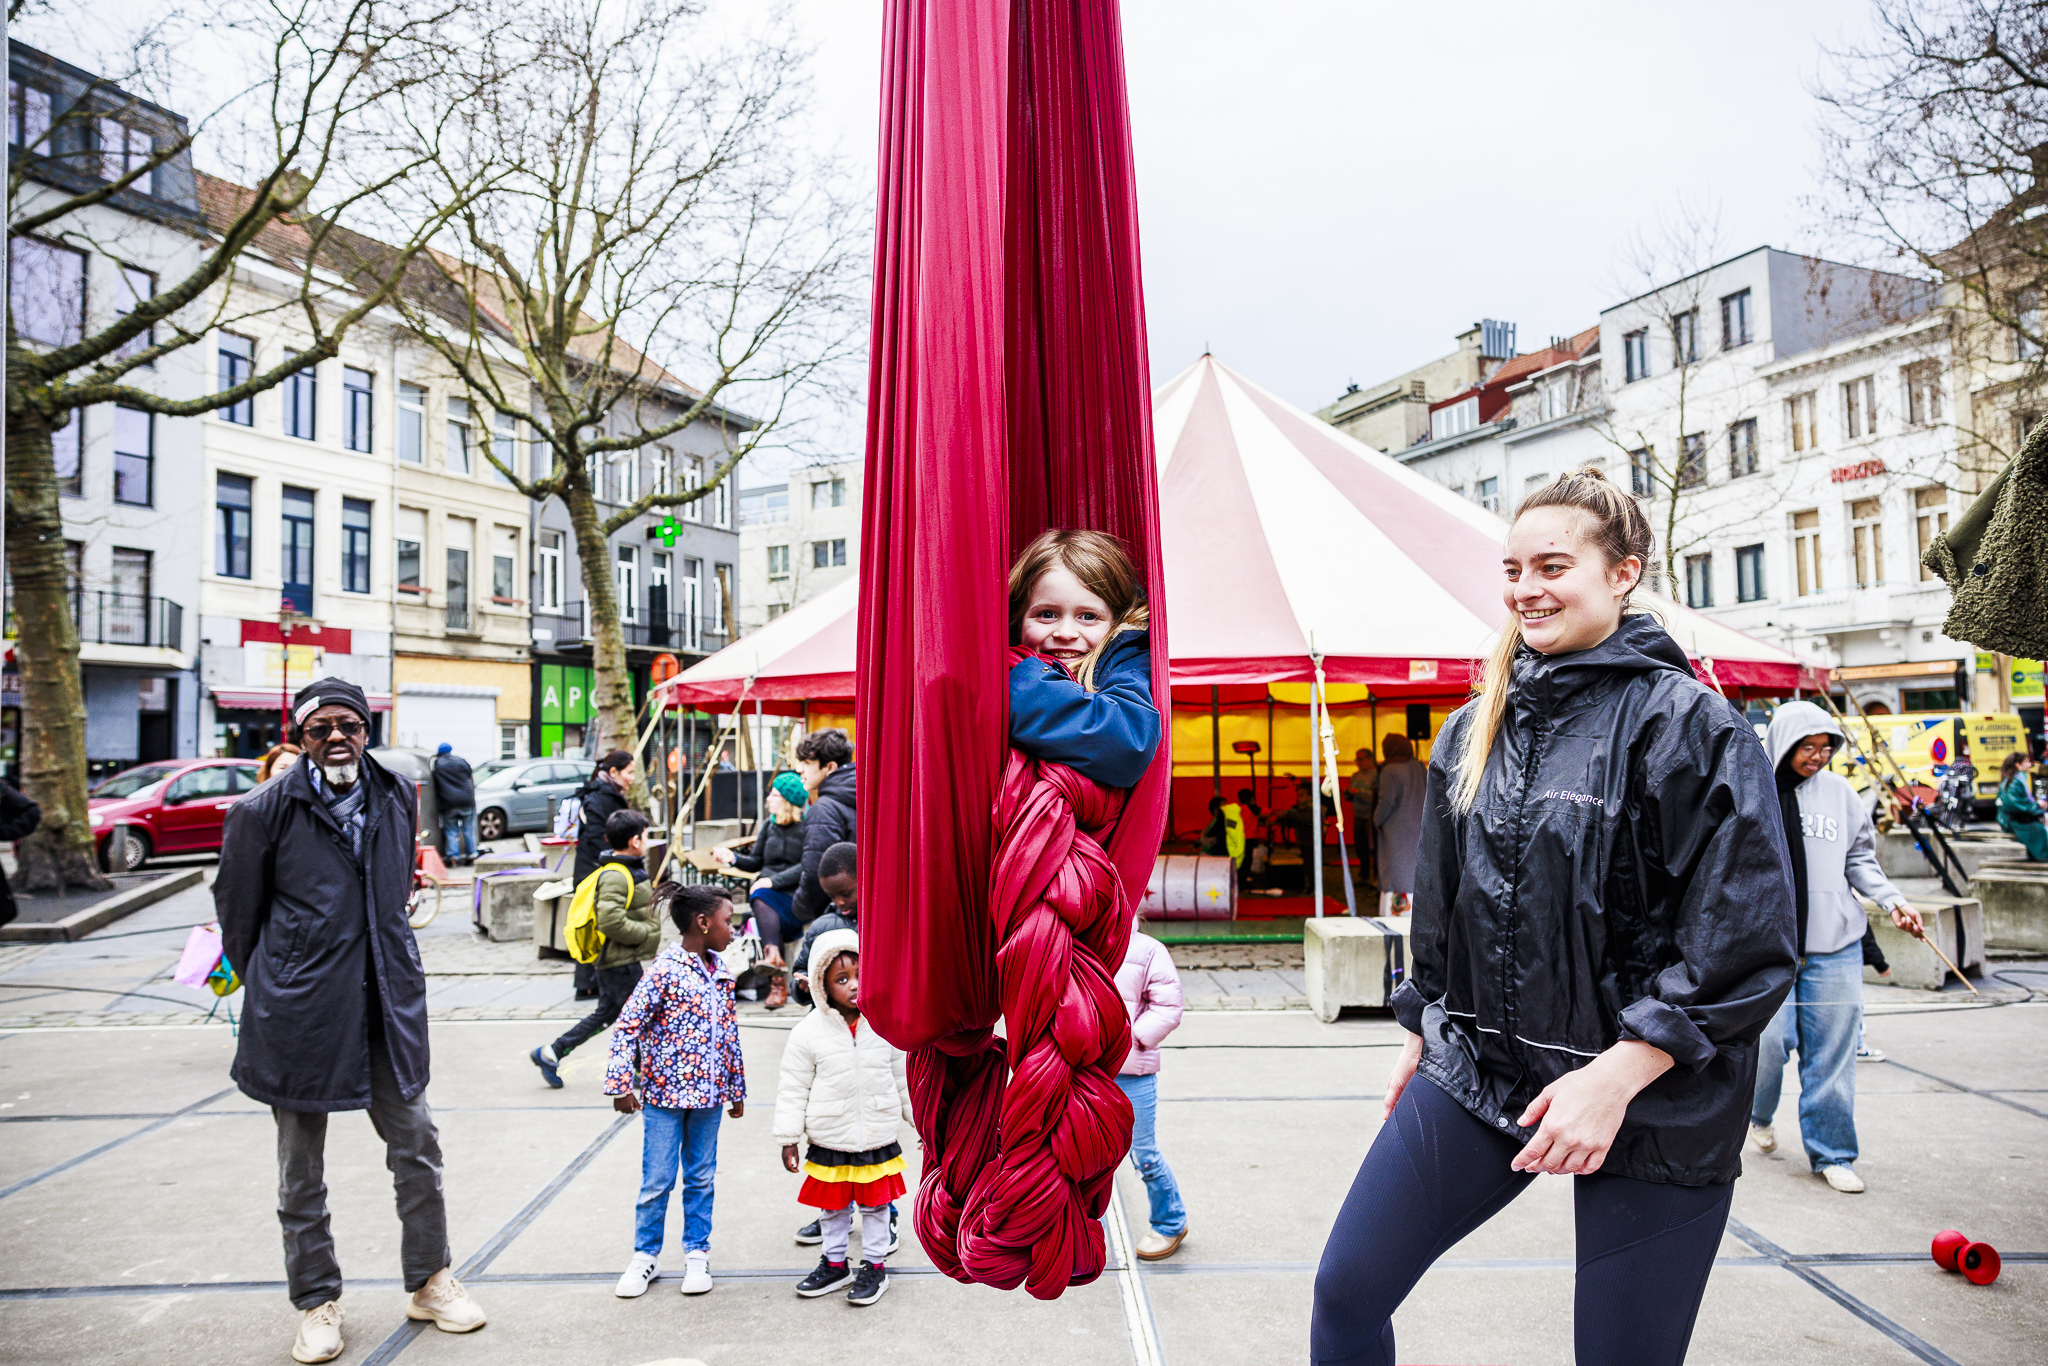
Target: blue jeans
(1821, 1018)
(458, 827)
(1169, 1216)
(669, 1138)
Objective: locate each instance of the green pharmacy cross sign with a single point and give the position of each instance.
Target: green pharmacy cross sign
(669, 530)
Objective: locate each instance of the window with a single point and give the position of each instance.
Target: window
(134, 286)
(1866, 532)
(458, 436)
(776, 609)
(627, 581)
(1749, 573)
(2026, 324)
(1930, 518)
(1685, 337)
(1742, 448)
(505, 445)
(778, 561)
(355, 545)
(1735, 320)
(67, 454)
(828, 554)
(1487, 494)
(629, 476)
(1806, 551)
(658, 611)
(295, 554)
(1922, 381)
(828, 493)
(1928, 699)
(693, 477)
(721, 502)
(1555, 393)
(124, 149)
(1699, 581)
(411, 542)
(461, 542)
(1635, 351)
(1453, 419)
(46, 291)
(28, 115)
(1642, 473)
(548, 572)
(134, 457)
(300, 403)
(504, 565)
(412, 424)
(231, 499)
(760, 507)
(358, 389)
(721, 595)
(663, 473)
(1859, 408)
(1800, 421)
(1692, 466)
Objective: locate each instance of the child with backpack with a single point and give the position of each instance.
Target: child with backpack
(676, 1058)
(844, 1089)
(617, 903)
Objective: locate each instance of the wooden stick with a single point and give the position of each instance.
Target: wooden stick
(1929, 942)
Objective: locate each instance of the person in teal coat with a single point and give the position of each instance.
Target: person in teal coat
(2019, 815)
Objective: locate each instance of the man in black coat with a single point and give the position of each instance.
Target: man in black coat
(824, 760)
(315, 874)
(19, 818)
(455, 794)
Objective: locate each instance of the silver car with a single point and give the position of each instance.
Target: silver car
(523, 796)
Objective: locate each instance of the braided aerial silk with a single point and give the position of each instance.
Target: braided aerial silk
(1008, 393)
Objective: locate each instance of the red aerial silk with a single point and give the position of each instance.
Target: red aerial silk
(1008, 394)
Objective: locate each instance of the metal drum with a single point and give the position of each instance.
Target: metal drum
(1191, 887)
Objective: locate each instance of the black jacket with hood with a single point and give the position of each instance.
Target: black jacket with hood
(778, 852)
(310, 925)
(1622, 875)
(600, 801)
(827, 821)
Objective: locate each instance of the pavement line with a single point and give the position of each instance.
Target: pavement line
(1928, 1353)
(1137, 1304)
(1967, 1090)
(399, 1340)
(112, 1143)
(1189, 1100)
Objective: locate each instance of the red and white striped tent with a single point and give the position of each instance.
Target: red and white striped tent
(1282, 536)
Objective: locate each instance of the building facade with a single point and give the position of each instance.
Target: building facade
(1395, 414)
(130, 482)
(798, 538)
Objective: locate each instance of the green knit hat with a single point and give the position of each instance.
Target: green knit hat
(791, 789)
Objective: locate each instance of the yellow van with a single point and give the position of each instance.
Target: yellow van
(1921, 740)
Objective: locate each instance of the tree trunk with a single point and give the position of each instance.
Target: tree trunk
(60, 853)
(611, 692)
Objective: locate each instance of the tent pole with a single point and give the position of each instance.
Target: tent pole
(1269, 749)
(1216, 739)
(1315, 800)
(760, 796)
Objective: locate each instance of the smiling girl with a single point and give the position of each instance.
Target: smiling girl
(1603, 926)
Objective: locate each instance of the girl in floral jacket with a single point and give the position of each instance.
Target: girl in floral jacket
(676, 1050)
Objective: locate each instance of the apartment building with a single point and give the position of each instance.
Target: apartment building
(798, 538)
(130, 482)
(1395, 413)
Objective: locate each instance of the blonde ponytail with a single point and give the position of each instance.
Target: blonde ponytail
(1620, 530)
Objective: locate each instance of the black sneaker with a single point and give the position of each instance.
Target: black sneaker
(868, 1283)
(810, 1235)
(825, 1278)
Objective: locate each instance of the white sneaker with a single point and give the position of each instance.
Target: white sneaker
(1843, 1179)
(319, 1334)
(639, 1272)
(444, 1303)
(696, 1273)
(1869, 1054)
(1765, 1137)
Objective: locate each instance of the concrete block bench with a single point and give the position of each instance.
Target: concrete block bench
(1353, 962)
(1900, 857)
(1913, 963)
(2015, 898)
(504, 903)
(498, 863)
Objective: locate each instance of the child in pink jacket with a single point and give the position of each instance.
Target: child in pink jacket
(1151, 992)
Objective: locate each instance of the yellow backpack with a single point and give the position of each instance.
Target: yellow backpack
(586, 940)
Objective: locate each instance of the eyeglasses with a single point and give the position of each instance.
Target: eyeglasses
(317, 731)
(1817, 749)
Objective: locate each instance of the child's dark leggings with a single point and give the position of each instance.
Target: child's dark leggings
(1435, 1173)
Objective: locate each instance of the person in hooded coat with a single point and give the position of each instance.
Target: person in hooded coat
(824, 760)
(1831, 848)
(602, 795)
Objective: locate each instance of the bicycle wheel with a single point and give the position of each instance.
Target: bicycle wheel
(424, 905)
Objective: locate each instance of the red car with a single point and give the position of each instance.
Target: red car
(174, 807)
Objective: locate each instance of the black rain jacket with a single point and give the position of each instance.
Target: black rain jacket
(600, 802)
(1622, 875)
(778, 852)
(454, 783)
(306, 922)
(828, 820)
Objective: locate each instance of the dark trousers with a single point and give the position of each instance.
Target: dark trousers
(412, 1152)
(1435, 1173)
(614, 985)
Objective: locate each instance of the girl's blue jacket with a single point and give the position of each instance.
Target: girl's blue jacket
(1109, 735)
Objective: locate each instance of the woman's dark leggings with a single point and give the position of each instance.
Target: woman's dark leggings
(767, 923)
(1435, 1173)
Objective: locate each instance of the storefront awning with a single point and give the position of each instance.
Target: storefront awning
(271, 699)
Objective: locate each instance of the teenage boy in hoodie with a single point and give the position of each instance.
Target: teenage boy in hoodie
(631, 926)
(1832, 848)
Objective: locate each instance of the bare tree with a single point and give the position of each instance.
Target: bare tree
(649, 201)
(1936, 137)
(324, 67)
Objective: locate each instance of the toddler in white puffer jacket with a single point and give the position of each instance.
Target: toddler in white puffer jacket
(844, 1091)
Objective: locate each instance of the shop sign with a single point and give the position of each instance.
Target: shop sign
(1862, 469)
(264, 664)
(1422, 671)
(2027, 684)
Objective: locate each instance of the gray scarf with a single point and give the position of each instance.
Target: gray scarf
(346, 807)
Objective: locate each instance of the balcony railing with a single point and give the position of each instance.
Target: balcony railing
(458, 614)
(107, 618)
(644, 629)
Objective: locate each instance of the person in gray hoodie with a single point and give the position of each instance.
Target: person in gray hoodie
(1832, 847)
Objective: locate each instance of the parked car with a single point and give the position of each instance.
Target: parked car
(523, 796)
(174, 807)
(417, 766)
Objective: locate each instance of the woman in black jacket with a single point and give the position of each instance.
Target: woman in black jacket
(1603, 927)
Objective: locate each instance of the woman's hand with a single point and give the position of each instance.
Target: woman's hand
(722, 855)
(626, 1104)
(789, 1157)
(1579, 1112)
(1404, 1072)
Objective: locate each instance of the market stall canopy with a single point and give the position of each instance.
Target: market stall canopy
(1279, 532)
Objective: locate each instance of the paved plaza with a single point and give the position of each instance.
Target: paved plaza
(137, 1188)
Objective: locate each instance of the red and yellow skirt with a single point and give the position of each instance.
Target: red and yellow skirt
(834, 1179)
